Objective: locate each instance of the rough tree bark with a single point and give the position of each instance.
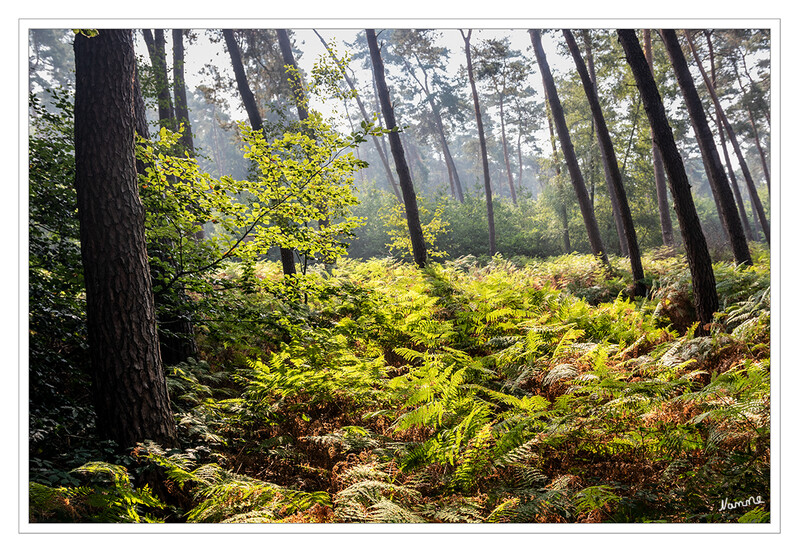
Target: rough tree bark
(256, 122)
(611, 167)
(403, 173)
(703, 280)
(594, 237)
(129, 383)
(666, 228)
(492, 240)
(704, 136)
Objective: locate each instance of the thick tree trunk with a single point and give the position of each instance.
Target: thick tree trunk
(256, 122)
(704, 136)
(378, 146)
(703, 280)
(403, 172)
(129, 384)
(492, 240)
(612, 194)
(666, 228)
(594, 237)
(611, 166)
(750, 184)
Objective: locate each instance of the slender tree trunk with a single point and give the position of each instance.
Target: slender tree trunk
(715, 171)
(594, 237)
(403, 173)
(666, 228)
(129, 383)
(179, 85)
(564, 214)
(750, 184)
(256, 122)
(156, 46)
(703, 280)
(611, 166)
(492, 241)
(505, 151)
(614, 200)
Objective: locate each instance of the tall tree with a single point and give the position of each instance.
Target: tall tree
(607, 169)
(256, 122)
(611, 165)
(403, 173)
(666, 228)
(492, 240)
(587, 210)
(710, 155)
(703, 280)
(179, 87)
(505, 70)
(156, 47)
(761, 215)
(561, 192)
(129, 383)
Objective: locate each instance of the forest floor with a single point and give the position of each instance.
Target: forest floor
(534, 392)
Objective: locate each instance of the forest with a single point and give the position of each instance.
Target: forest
(398, 276)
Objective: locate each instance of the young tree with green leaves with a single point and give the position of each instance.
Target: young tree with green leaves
(256, 122)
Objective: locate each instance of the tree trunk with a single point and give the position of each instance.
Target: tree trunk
(704, 136)
(129, 384)
(156, 46)
(594, 237)
(179, 86)
(403, 173)
(611, 167)
(614, 199)
(750, 184)
(561, 192)
(378, 146)
(703, 280)
(256, 122)
(505, 151)
(492, 240)
(666, 228)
